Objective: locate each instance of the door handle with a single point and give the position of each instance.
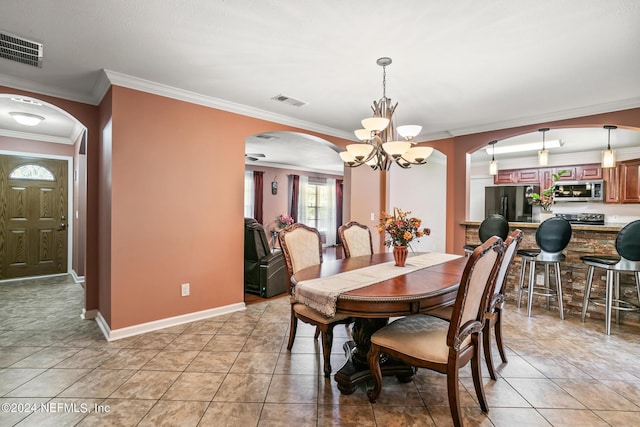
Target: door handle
(63, 226)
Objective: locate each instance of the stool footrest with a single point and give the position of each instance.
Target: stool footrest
(626, 306)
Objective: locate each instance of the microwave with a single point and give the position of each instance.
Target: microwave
(579, 191)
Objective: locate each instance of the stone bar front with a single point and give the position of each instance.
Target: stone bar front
(585, 240)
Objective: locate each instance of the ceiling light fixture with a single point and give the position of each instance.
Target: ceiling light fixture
(529, 146)
(608, 156)
(543, 155)
(26, 119)
(493, 166)
(378, 148)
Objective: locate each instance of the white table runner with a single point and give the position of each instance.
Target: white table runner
(322, 293)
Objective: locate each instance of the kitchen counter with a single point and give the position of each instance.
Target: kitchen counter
(585, 240)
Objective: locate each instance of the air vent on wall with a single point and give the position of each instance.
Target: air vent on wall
(20, 50)
(288, 100)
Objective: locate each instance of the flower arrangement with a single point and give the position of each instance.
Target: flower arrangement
(400, 228)
(283, 220)
(545, 198)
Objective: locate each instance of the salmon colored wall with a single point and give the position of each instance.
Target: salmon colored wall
(176, 206)
(458, 176)
(35, 147)
(87, 115)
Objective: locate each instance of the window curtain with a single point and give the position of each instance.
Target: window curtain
(295, 196)
(258, 195)
(303, 196)
(248, 194)
(339, 205)
(321, 211)
(330, 212)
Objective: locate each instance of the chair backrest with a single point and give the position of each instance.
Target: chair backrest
(476, 287)
(256, 245)
(511, 244)
(356, 239)
(493, 225)
(301, 247)
(553, 235)
(628, 241)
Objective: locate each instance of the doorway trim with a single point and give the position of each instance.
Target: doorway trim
(70, 176)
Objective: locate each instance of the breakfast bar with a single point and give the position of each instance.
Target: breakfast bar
(585, 240)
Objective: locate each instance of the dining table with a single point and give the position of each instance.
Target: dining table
(392, 291)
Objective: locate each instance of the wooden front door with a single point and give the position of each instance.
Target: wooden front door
(33, 216)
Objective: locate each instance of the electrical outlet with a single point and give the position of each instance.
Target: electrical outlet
(184, 288)
(373, 216)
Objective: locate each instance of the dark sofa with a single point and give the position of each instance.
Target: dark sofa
(265, 273)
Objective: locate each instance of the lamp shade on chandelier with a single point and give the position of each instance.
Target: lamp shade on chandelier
(380, 147)
(608, 156)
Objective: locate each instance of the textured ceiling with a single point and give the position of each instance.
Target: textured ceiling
(458, 67)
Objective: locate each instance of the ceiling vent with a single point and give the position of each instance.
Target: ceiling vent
(288, 100)
(20, 50)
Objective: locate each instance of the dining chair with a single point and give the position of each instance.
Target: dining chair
(356, 239)
(628, 261)
(428, 342)
(302, 247)
(496, 304)
(552, 237)
(493, 225)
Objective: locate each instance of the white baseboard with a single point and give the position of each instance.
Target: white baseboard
(76, 278)
(129, 331)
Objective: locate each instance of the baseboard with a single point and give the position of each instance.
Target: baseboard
(129, 331)
(76, 278)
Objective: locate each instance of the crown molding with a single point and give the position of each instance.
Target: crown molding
(130, 82)
(44, 89)
(607, 107)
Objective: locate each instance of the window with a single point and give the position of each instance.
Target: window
(35, 172)
(317, 206)
(248, 194)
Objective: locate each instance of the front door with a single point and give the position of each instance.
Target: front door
(33, 216)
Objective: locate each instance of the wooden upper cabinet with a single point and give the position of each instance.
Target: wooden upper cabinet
(505, 177)
(528, 176)
(570, 175)
(630, 181)
(587, 172)
(611, 178)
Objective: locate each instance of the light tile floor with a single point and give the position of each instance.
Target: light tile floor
(58, 370)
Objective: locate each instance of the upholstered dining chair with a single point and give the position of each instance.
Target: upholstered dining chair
(445, 347)
(356, 239)
(552, 237)
(496, 304)
(628, 261)
(302, 247)
(493, 225)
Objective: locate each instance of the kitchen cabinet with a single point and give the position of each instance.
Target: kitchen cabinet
(629, 181)
(504, 177)
(517, 176)
(569, 175)
(588, 172)
(611, 178)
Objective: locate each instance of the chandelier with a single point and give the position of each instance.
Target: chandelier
(380, 147)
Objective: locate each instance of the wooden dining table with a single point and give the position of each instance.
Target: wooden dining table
(413, 292)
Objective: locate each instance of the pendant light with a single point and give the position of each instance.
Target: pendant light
(608, 156)
(543, 155)
(493, 166)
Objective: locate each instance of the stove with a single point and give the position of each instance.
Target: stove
(584, 218)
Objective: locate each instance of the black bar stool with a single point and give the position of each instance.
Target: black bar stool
(628, 261)
(493, 225)
(552, 237)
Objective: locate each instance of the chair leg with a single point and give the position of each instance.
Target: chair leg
(608, 302)
(453, 394)
(486, 344)
(521, 282)
(498, 331)
(292, 330)
(616, 295)
(637, 274)
(476, 373)
(374, 368)
(532, 279)
(317, 334)
(559, 290)
(587, 292)
(327, 343)
(547, 285)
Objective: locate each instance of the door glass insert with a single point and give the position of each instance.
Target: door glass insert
(32, 172)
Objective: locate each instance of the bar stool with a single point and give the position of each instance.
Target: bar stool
(552, 237)
(628, 261)
(493, 225)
